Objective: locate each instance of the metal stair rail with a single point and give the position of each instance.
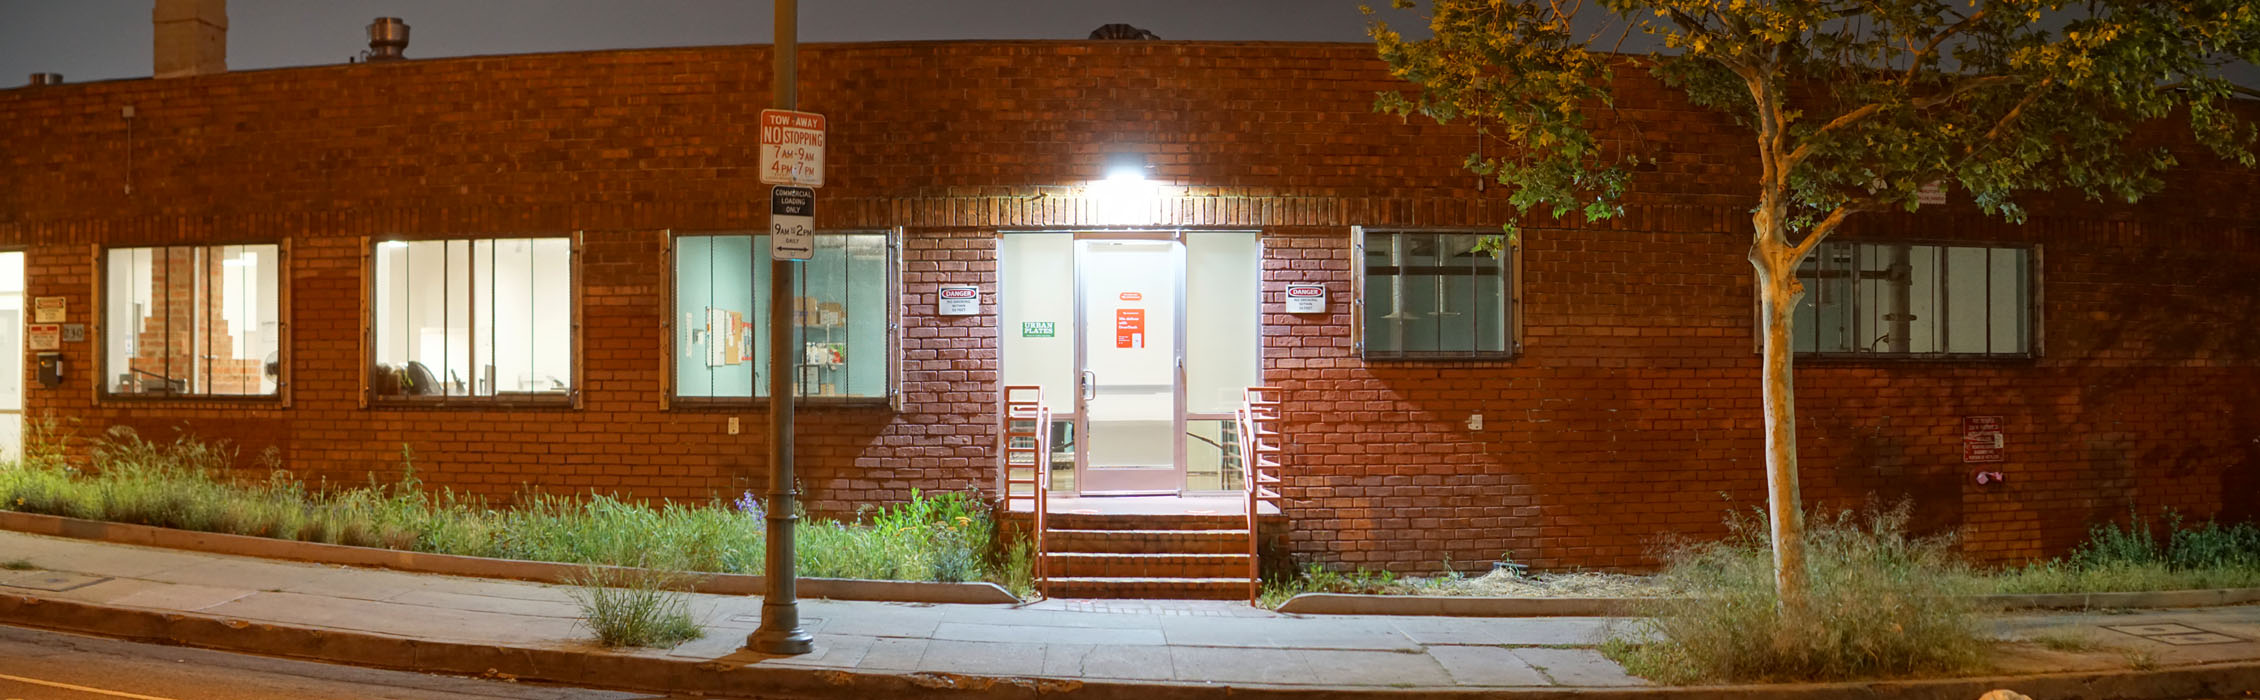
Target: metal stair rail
(1258, 422)
(1027, 464)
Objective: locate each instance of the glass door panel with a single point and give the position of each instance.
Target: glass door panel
(1129, 345)
(11, 355)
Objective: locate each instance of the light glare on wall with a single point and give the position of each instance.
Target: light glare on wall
(1125, 197)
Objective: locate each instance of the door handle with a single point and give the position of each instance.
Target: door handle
(1090, 385)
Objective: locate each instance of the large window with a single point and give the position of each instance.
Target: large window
(1432, 294)
(1908, 300)
(192, 321)
(487, 319)
(721, 345)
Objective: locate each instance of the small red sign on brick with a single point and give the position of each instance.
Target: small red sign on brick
(1982, 440)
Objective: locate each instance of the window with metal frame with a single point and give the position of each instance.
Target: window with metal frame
(485, 319)
(1909, 300)
(845, 294)
(1437, 295)
(200, 320)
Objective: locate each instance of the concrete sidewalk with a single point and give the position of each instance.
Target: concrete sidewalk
(1093, 648)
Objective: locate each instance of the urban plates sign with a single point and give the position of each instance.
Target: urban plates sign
(792, 148)
(1036, 329)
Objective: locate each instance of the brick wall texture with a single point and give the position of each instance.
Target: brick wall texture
(1632, 412)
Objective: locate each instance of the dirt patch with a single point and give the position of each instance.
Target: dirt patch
(1507, 584)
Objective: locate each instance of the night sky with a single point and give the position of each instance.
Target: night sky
(88, 40)
(105, 39)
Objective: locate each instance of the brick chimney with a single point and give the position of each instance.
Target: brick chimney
(191, 37)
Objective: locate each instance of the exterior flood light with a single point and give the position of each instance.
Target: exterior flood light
(1125, 197)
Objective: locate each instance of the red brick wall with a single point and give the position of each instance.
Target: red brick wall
(1632, 410)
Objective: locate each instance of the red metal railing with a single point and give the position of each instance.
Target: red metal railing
(1027, 464)
(1258, 423)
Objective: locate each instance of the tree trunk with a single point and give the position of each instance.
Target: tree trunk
(1778, 294)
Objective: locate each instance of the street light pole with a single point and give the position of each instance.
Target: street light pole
(780, 631)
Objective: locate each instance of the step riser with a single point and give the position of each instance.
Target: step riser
(1173, 567)
(1235, 591)
(1084, 521)
(1145, 542)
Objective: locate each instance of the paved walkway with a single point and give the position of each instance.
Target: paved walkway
(1138, 641)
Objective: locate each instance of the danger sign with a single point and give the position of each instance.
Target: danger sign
(960, 300)
(1306, 298)
(1130, 328)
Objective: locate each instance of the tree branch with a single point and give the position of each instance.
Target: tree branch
(1915, 64)
(1828, 225)
(1804, 149)
(2019, 110)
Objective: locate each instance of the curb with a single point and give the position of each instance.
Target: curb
(975, 593)
(1469, 606)
(649, 672)
(1456, 606)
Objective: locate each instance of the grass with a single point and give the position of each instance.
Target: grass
(17, 565)
(2141, 660)
(1317, 579)
(2134, 557)
(643, 607)
(189, 485)
(1882, 604)
(2114, 558)
(2064, 642)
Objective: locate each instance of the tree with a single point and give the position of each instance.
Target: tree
(1854, 106)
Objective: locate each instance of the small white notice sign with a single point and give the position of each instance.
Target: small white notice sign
(46, 336)
(960, 300)
(1306, 298)
(792, 223)
(49, 309)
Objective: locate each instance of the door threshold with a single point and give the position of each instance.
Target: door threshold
(1113, 494)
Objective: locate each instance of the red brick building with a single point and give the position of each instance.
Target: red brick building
(537, 271)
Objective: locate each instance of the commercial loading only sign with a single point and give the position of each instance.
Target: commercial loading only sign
(792, 223)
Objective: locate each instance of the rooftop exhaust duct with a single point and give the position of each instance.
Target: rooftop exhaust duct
(1122, 31)
(388, 38)
(190, 37)
(38, 79)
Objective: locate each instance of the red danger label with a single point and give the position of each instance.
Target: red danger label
(1306, 291)
(960, 293)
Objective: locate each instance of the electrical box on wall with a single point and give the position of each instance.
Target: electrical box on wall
(50, 369)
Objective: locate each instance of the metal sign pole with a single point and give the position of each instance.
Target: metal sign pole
(780, 631)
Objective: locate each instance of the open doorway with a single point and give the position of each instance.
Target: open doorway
(1142, 341)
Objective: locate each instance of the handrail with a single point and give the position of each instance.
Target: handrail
(1028, 449)
(1258, 423)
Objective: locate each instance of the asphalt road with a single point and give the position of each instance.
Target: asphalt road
(39, 665)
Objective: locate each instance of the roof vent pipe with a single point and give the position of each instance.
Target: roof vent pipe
(388, 37)
(46, 79)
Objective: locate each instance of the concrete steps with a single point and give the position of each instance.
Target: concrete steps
(1147, 556)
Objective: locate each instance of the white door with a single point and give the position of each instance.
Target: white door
(11, 355)
(1130, 358)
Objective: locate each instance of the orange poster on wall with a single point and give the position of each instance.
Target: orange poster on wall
(1130, 328)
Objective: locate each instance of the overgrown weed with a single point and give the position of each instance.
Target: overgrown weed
(189, 484)
(644, 606)
(1882, 604)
